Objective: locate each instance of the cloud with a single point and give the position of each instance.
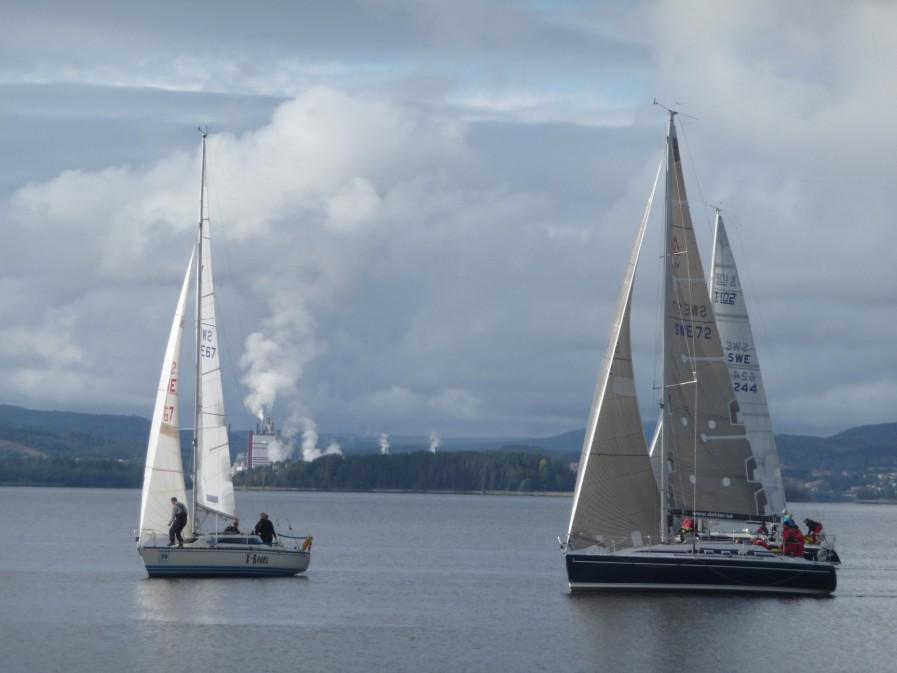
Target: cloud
(423, 222)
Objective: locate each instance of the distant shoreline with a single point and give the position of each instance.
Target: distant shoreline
(550, 494)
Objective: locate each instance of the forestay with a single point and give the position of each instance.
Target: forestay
(616, 502)
(736, 336)
(702, 427)
(163, 476)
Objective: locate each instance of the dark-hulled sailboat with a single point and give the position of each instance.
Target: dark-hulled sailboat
(713, 457)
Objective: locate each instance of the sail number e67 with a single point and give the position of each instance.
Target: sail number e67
(207, 348)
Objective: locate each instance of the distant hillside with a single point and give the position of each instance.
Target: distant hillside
(76, 435)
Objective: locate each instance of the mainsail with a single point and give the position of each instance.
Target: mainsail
(712, 471)
(214, 490)
(737, 339)
(163, 476)
(616, 503)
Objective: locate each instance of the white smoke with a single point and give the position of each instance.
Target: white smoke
(384, 444)
(279, 451)
(434, 441)
(260, 414)
(275, 357)
(310, 450)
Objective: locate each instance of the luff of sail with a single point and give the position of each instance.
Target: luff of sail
(711, 469)
(214, 488)
(163, 476)
(737, 338)
(616, 502)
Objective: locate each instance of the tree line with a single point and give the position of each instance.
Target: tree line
(421, 471)
(455, 471)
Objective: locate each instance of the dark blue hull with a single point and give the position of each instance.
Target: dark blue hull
(698, 572)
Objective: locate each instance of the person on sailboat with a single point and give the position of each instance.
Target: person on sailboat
(814, 531)
(265, 529)
(792, 540)
(177, 522)
(233, 527)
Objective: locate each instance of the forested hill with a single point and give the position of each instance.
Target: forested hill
(75, 449)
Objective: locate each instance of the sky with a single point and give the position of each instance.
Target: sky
(422, 210)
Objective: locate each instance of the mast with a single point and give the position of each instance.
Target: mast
(667, 225)
(197, 411)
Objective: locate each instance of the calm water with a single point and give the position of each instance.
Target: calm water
(419, 583)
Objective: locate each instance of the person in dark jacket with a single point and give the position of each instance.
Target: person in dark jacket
(265, 529)
(177, 522)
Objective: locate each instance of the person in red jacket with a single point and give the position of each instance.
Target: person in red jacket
(792, 541)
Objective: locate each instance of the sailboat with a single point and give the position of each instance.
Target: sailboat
(713, 457)
(213, 553)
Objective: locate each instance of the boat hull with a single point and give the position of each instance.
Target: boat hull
(255, 561)
(698, 572)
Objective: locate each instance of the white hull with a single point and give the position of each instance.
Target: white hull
(202, 559)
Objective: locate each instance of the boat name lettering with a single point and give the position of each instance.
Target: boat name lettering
(691, 331)
(739, 358)
(256, 559)
(723, 297)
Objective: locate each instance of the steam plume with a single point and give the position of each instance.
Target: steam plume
(434, 441)
(384, 444)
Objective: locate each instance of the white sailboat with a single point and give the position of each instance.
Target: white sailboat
(705, 463)
(204, 553)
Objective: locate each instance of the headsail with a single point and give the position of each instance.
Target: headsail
(737, 339)
(616, 502)
(163, 476)
(214, 488)
(701, 426)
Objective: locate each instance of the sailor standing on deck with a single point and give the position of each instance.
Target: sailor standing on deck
(177, 522)
(265, 529)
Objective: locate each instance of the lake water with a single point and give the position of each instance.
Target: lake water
(422, 583)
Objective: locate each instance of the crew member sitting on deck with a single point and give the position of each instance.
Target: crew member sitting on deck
(686, 528)
(233, 527)
(762, 530)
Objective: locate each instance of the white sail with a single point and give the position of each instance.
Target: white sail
(214, 488)
(616, 502)
(735, 333)
(163, 476)
(712, 471)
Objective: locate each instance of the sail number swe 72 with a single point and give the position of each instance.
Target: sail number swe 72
(691, 331)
